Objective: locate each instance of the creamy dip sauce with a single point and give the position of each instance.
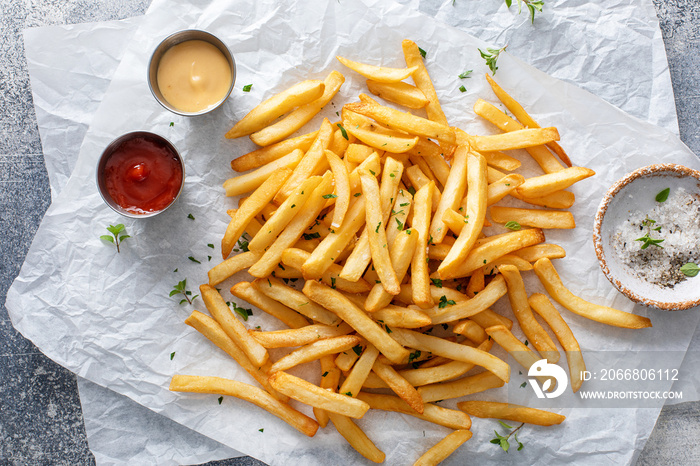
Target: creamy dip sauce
(193, 75)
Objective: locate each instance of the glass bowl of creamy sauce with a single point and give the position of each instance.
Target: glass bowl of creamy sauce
(647, 236)
(191, 72)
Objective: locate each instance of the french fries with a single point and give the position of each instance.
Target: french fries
(381, 218)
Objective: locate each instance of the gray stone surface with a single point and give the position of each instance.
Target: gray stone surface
(40, 415)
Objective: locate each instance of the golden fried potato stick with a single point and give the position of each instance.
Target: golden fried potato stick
(214, 333)
(522, 115)
(460, 387)
(552, 283)
(423, 82)
(330, 378)
(357, 376)
(250, 393)
(444, 448)
(255, 204)
(448, 310)
(315, 396)
(399, 215)
(233, 327)
(501, 188)
(399, 385)
(402, 317)
(509, 259)
(275, 289)
(532, 329)
(358, 319)
(232, 266)
(545, 309)
(400, 93)
(454, 351)
(300, 336)
(242, 184)
(295, 258)
(265, 155)
(475, 214)
(502, 161)
(401, 252)
(314, 351)
(251, 294)
(542, 185)
(313, 163)
(452, 194)
(534, 253)
(420, 273)
(419, 179)
(357, 438)
(300, 116)
(470, 329)
(519, 139)
(341, 180)
(432, 413)
(522, 354)
(395, 142)
(510, 412)
(380, 74)
(294, 229)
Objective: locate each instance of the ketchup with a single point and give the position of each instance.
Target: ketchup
(143, 175)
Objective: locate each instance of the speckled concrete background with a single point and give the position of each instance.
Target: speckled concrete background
(40, 415)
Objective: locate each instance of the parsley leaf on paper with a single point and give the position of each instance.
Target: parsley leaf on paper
(492, 57)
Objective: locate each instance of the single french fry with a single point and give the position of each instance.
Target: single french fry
(510, 412)
(488, 318)
(533, 217)
(401, 252)
(357, 438)
(549, 183)
(295, 299)
(332, 245)
(358, 153)
(413, 57)
(522, 115)
(532, 329)
(357, 376)
(251, 294)
(380, 74)
(398, 92)
(509, 259)
(432, 413)
(242, 184)
(300, 116)
(314, 351)
(402, 317)
(418, 179)
(533, 253)
(452, 193)
(313, 163)
(371, 164)
(347, 359)
(279, 104)
(463, 309)
(475, 215)
(399, 385)
(232, 326)
(296, 257)
(399, 215)
(214, 333)
(420, 274)
(341, 179)
(356, 318)
(294, 229)
(232, 266)
(330, 378)
(454, 351)
(471, 330)
(552, 283)
(315, 396)
(265, 155)
(495, 248)
(444, 448)
(557, 200)
(519, 139)
(476, 283)
(501, 188)
(300, 336)
(250, 393)
(396, 142)
(283, 215)
(460, 387)
(403, 121)
(502, 161)
(522, 354)
(257, 201)
(340, 141)
(545, 309)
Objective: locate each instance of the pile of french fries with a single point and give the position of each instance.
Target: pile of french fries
(380, 217)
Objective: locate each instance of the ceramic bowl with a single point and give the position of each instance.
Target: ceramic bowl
(636, 191)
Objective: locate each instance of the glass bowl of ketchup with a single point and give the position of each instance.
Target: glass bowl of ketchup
(140, 174)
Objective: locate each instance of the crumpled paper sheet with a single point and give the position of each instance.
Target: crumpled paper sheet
(111, 418)
(134, 362)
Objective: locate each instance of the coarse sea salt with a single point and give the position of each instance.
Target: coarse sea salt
(676, 221)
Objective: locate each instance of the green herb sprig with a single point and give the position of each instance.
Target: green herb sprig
(116, 238)
(492, 57)
(648, 240)
(532, 6)
(181, 288)
(502, 440)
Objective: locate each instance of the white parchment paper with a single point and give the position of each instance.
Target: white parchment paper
(391, 53)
